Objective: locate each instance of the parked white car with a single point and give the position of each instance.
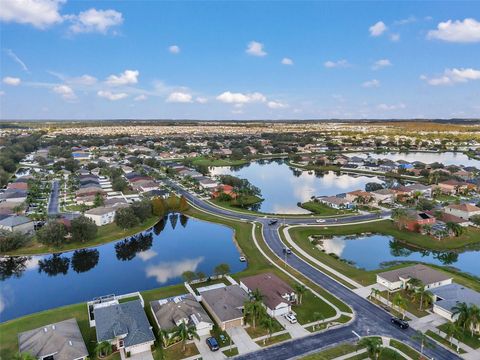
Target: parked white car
(292, 319)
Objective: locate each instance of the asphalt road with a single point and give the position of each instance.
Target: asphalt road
(53, 203)
(369, 319)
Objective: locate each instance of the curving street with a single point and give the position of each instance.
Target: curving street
(369, 319)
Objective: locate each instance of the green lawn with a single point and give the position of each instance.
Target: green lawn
(311, 304)
(465, 337)
(260, 330)
(332, 353)
(274, 339)
(407, 350)
(301, 237)
(322, 209)
(412, 306)
(230, 353)
(208, 161)
(445, 342)
(105, 234)
(10, 329)
(240, 203)
(175, 352)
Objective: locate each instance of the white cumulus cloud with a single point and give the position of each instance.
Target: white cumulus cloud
(86, 80)
(240, 98)
(466, 31)
(452, 76)
(13, 81)
(379, 64)
(141, 97)
(38, 13)
(336, 64)
(276, 105)
(255, 48)
(125, 78)
(111, 96)
(377, 29)
(174, 49)
(287, 61)
(65, 92)
(93, 20)
(179, 97)
(371, 83)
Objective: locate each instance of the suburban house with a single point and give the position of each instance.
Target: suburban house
(277, 294)
(124, 325)
(397, 279)
(14, 196)
(425, 190)
(172, 312)
(385, 196)
(453, 187)
(206, 183)
(226, 305)
(464, 211)
(17, 223)
(62, 341)
(358, 196)
(224, 189)
(104, 215)
(336, 202)
(417, 219)
(448, 296)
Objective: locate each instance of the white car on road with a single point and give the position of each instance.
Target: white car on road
(320, 220)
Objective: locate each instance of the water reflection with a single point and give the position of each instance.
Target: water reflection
(127, 249)
(373, 251)
(155, 257)
(282, 186)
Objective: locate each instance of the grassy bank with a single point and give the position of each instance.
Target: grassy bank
(10, 329)
(209, 161)
(322, 209)
(105, 234)
(301, 237)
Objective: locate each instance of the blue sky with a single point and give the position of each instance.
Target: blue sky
(64, 59)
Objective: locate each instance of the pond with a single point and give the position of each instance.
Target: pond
(446, 158)
(370, 251)
(154, 258)
(282, 186)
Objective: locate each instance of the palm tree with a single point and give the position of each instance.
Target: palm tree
(455, 228)
(460, 311)
(373, 346)
(300, 289)
(253, 309)
(474, 317)
(423, 339)
(451, 329)
(164, 337)
(374, 293)
(103, 349)
(185, 332)
(400, 303)
(269, 324)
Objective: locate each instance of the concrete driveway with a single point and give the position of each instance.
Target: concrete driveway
(146, 355)
(205, 351)
(244, 342)
(295, 330)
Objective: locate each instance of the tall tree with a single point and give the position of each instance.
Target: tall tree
(52, 233)
(185, 332)
(83, 229)
(373, 346)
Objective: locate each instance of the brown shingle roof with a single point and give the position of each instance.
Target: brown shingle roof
(270, 286)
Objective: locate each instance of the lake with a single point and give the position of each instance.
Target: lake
(282, 187)
(370, 251)
(154, 258)
(446, 158)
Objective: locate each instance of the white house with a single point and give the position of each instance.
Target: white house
(124, 325)
(397, 279)
(104, 215)
(277, 294)
(172, 312)
(17, 223)
(464, 211)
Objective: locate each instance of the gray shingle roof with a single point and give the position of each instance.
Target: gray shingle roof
(126, 318)
(170, 314)
(14, 220)
(419, 271)
(453, 294)
(62, 339)
(227, 302)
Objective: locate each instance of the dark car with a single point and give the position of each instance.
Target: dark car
(272, 222)
(402, 324)
(212, 344)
